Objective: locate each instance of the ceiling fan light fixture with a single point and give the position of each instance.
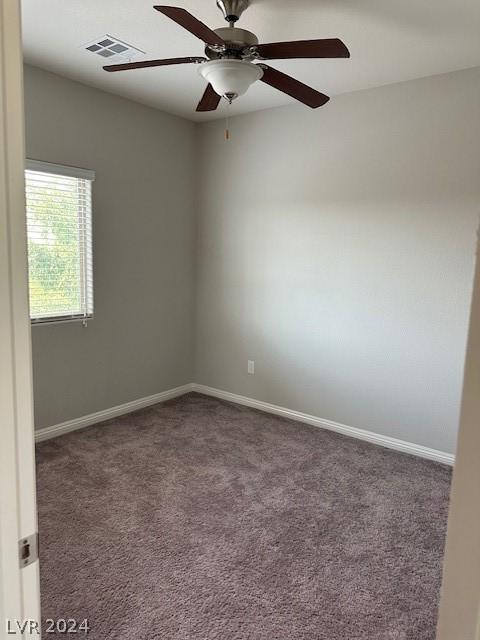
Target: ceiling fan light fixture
(228, 67)
(230, 78)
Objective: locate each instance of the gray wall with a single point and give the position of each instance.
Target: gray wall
(140, 341)
(336, 249)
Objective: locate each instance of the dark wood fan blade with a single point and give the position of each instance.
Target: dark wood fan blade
(152, 63)
(292, 87)
(190, 23)
(327, 48)
(210, 100)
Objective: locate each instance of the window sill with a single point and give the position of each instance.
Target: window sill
(67, 320)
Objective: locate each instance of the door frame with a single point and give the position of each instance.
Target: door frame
(19, 587)
(459, 615)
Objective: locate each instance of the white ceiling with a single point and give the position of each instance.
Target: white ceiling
(389, 41)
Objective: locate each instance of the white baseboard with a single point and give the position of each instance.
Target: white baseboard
(354, 432)
(106, 414)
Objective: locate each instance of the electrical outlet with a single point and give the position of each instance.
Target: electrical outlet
(251, 367)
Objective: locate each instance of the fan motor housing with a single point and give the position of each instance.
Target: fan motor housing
(237, 41)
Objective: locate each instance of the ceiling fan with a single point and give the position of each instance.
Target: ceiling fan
(229, 68)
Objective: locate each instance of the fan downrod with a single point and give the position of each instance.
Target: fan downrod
(232, 9)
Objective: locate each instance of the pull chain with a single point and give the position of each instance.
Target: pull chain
(227, 117)
(227, 130)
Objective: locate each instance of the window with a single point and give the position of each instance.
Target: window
(59, 230)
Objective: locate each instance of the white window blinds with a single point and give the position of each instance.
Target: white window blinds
(59, 229)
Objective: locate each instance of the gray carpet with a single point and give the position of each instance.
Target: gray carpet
(201, 520)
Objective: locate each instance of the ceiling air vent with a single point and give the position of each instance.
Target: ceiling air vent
(114, 49)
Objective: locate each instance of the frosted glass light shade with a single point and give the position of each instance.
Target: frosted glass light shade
(230, 77)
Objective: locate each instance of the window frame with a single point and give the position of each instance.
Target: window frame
(70, 172)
